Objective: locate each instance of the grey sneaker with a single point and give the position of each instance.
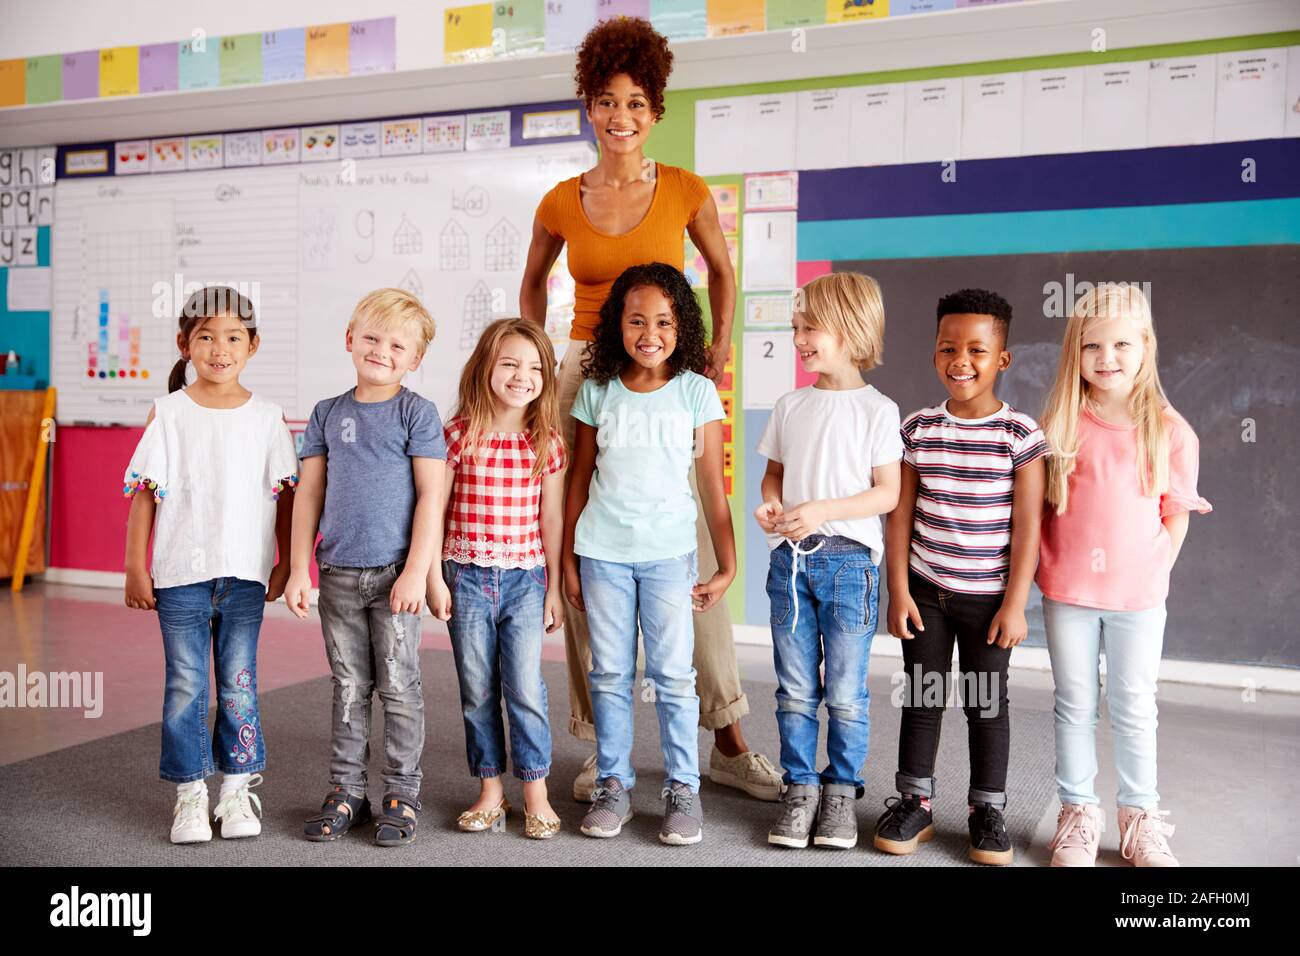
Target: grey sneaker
(798, 812)
(683, 816)
(611, 807)
(837, 824)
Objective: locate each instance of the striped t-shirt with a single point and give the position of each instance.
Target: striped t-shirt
(961, 532)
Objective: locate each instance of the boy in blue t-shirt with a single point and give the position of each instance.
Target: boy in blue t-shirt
(372, 464)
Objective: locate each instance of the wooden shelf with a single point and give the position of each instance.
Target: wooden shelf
(1034, 28)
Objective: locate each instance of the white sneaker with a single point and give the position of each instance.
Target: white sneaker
(190, 818)
(585, 782)
(236, 811)
(750, 771)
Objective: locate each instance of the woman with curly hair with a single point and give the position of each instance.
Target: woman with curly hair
(629, 210)
(643, 413)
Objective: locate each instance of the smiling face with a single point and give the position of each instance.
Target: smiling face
(383, 357)
(968, 354)
(621, 116)
(818, 350)
(517, 373)
(1111, 356)
(219, 348)
(649, 327)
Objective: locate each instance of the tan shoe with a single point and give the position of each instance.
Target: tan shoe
(540, 828)
(585, 782)
(1079, 827)
(750, 771)
(1142, 837)
(475, 821)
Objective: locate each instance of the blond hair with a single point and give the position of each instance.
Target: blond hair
(387, 310)
(848, 305)
(475, 401)
(1146, 403)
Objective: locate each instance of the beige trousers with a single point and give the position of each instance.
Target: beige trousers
(717, 681)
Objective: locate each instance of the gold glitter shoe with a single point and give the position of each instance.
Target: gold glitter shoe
(540, 828)
(477, 820)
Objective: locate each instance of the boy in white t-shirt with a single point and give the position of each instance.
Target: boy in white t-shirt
(833, 451)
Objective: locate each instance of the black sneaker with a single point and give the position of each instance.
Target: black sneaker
(903, 825)
(989, 842)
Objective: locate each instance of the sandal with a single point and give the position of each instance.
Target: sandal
(396, 825)
(338, 814)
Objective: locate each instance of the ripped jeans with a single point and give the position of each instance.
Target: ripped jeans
(372, 649)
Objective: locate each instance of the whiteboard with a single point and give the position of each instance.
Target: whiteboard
(304, 243)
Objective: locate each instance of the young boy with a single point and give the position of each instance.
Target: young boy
(961, 548)
(372, 466)
(833, 450)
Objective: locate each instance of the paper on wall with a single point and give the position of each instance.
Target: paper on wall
(932, 121)
(1181, 101)
(822, 141)
(1052, 117)
(769, 368)
(29, 289)
(769, 251)
(1115, 105)
(720, 136)
(876, 125)
(1250, 94)
(991, 115)
(770, 128)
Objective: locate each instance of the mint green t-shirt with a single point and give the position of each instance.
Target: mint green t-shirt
(640, 506)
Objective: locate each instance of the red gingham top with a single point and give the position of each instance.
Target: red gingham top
(495, 506)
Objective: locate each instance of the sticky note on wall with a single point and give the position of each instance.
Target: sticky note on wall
(327, 50)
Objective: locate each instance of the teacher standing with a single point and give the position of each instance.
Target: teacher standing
(629, 210)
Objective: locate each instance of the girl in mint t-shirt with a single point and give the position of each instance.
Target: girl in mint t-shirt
(644, 413)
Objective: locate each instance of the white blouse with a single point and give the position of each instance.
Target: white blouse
(216, 475)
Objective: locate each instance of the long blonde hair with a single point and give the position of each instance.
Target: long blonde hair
(475, 403)
(1146, 403)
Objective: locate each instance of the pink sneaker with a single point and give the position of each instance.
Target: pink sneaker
(1142, 837)
(1078, 832)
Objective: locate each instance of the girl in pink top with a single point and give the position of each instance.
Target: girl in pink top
(1120, 485)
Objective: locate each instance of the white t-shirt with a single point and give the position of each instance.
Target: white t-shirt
(215, 474)
(828, 442)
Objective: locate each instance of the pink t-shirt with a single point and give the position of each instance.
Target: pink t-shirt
(1110, 549)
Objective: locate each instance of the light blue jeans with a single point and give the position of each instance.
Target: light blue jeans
(1133, 640)
(497, 625)
(658, 593)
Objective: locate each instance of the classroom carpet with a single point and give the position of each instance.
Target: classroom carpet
(100, 803)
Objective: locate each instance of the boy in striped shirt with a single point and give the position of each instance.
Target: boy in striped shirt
(961, 549)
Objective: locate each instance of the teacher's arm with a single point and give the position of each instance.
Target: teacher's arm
(706, 232)
(542, 253)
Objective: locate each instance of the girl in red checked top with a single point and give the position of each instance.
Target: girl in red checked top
(499, 583)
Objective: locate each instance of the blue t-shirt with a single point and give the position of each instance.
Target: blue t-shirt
(370, 484)
(640, 506)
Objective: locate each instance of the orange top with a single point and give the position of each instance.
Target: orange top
(596, 258)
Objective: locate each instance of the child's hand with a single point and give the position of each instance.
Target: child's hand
(139, 590)
(297, 593)
(798, 523)
(573, 586)
(902, 609)
(1009, 627)
(407, 594)
(275, 586)
(767, 513)
(704, 596)
(439, 598)
(553, 610)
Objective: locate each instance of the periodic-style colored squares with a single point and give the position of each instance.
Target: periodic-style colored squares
(786, 14)
(467, 33)
(518, 27)
(729, 17)
(679, 19)
(284, 55)
(372, 46)
(159, 68)
(44, 79)
(327, 50)
(846, 11)
(119, 71)
(198, 64)
(567, 22)
(13, 82)
(608, 9)
(81, 75)
(241, 59)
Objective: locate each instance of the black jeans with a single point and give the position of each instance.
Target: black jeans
(927, 660)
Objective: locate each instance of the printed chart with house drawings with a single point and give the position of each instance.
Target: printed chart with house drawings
(304, 243)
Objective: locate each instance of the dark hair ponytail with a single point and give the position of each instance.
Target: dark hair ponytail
(207, 304)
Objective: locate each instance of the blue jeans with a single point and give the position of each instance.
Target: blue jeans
(1133, 642)
(658, 593)
(224, 615)
(837, 590)
(497, 625)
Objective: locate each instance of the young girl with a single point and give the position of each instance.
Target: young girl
(213, 460)
(1120, 484)
(499, 582)
(833, 451)
(643, 411)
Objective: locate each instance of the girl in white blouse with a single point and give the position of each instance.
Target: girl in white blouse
(214, 463)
